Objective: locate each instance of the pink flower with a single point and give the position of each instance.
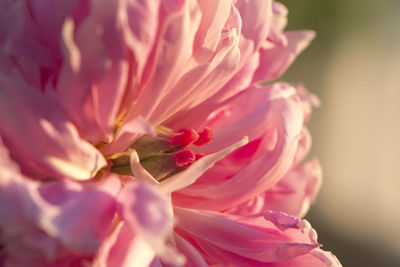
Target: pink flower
(123, 131)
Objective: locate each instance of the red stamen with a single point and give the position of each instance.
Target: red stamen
(185, 138)
(205, 137)
(199, 156)
(184, 157)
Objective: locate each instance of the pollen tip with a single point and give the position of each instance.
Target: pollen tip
(184, 157)
(185, 137)
(205, 137)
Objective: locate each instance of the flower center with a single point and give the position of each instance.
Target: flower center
(165, 154)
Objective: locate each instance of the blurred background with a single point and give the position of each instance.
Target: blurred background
(354, 67)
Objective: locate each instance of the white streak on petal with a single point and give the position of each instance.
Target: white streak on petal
(73, 50)
(190, 175)
(138, 171)
(69, 168)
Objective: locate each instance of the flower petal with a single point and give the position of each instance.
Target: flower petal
(190, 175)
(124, 248)
(276, 59)
(37, 133)
(149, 214)
(269, 237)
(256, 19)
(44, 222)
(279, 123)
(129, 131)
(74, 204)
(293, 194)
(94, 62)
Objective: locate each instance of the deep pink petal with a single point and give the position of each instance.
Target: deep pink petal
(282, 121)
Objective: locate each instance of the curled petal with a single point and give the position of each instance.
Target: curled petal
(316, 258)
(297, 189)
(269, 237)
(256, 19)
(276, 59)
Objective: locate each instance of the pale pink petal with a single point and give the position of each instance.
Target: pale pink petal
(19, 214)
(173, 49)
(37, 132)
(149, 214)
(316, 258)
(203, 80)
(143, 208)
(74, 204)
(276, 59)
(92, 79)
(257, 238)
(139, 171)
(130, 131)
(196, 116)
(296, 191)
(256, 19)
(124, 248)
(140, 22)
(189, 176)
(279, 18)
(43, 223)
(309, 101)
(303, 146)
(214, 16)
